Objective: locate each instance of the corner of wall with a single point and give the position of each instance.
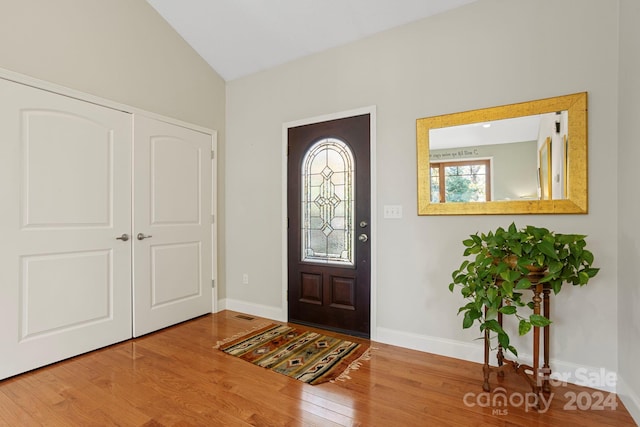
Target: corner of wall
(268, 312)
(630, 400)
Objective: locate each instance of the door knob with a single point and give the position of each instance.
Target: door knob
(124, 237)
(141, 236)
(363, 237)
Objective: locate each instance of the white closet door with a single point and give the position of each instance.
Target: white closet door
(65, 195)
(172, 216)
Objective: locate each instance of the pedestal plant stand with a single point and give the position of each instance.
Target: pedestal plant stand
(536, 376)
(505, 263)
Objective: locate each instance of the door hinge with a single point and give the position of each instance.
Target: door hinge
(213, 219)
(213, 283)
(213, 154)
(288, 221)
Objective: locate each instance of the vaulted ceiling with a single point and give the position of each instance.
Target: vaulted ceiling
(241, 37)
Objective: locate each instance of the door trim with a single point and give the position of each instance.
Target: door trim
(93, 99)
(371, 110)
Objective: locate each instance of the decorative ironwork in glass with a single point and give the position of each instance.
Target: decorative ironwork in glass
(328, 171)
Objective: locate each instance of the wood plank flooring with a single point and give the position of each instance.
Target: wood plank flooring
(175, 377)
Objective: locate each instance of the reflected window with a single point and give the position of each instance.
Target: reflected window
(464, 181)
(328, 203)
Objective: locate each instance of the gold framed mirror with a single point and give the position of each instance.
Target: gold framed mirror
(525, 158)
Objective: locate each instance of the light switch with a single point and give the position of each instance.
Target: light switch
(392, 211)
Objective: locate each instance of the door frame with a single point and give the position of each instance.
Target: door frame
(371, 110)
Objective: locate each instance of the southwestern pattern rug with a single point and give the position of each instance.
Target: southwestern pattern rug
(307, 356)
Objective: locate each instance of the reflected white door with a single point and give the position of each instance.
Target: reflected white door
(172, 224)
(65, 195)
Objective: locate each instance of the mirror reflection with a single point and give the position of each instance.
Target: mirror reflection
(499, 159)
(520, 158)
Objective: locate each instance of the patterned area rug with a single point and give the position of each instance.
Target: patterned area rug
(301, 354)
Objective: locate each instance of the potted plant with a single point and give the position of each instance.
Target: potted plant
(503, 263)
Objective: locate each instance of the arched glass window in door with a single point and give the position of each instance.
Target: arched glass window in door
(328, 203)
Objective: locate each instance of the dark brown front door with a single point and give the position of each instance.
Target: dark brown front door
(329, 209)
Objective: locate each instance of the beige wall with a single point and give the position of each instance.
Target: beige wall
(629, 207)
(120, 50)
(488, 53)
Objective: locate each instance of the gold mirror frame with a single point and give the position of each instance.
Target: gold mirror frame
(576, 201)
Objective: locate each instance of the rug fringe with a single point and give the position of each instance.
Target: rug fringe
(240, 334)
(353, 366)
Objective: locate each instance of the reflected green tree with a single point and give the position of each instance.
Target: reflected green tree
(458, 189)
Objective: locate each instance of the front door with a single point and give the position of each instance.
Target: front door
(329, 210)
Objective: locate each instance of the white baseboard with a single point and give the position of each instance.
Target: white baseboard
(440, 346)
(589, 376)
(630, 400)
(266, 311)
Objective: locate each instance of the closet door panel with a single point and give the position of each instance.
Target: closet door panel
(72, 189)
(172, 216)
(65, 186)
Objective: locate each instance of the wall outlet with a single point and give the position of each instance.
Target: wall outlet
(245, 279)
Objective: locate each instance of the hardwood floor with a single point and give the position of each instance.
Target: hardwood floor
(175, 377)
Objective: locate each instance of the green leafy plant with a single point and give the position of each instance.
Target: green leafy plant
(503, 263)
